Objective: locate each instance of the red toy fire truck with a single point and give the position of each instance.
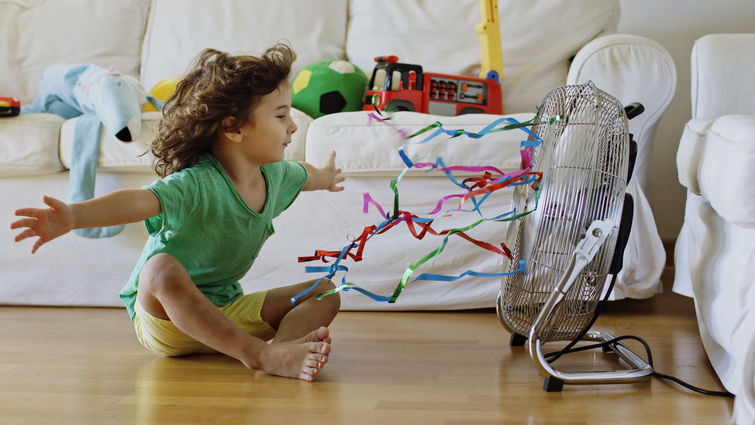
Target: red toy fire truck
(9, 107)
(397, 86)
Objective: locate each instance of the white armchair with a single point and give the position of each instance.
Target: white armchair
(715, 251)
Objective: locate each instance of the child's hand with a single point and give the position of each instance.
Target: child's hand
(326, 178)
(333, 174)
(44, 223)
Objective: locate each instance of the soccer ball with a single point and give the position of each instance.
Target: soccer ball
(329, 86)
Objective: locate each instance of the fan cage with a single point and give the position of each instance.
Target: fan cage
(584, 158)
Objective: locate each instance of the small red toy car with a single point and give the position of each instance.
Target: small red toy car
(9, 107)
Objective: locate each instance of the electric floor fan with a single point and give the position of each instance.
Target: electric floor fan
(573, 233)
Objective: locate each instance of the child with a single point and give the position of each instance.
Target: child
(219, 151)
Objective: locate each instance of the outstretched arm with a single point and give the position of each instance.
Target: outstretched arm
(119, 207)
(327, 177)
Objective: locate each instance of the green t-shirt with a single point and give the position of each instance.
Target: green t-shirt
(207, 226)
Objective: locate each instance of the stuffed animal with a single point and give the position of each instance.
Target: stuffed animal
(99, 96)
(329, 86)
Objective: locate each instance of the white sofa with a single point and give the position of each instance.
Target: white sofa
(545, 45)
(715, 251)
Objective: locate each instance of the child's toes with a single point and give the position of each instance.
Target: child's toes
(323, 334)
(320, 347)
(313, 363)
(310, 372)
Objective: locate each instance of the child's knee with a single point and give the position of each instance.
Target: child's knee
(327, 285)
(334, 299)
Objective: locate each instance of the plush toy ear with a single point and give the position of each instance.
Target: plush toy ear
(155, 102)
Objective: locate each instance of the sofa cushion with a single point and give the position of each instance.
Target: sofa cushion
(37, 34)
(537, 38)
(29, 145)
(239, 26)
(367, 147)
(716, 160)
(131, 158)
(115, 155)
(723, 59)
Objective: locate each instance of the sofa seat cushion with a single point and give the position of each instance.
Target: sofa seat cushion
(369, 147)
(115, 155)
(538, 39)
(134, 157)
(716, 160)
(29, 145)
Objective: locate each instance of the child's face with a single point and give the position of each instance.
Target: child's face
(268, 130)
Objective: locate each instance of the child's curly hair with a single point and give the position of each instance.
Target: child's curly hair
(220, 85)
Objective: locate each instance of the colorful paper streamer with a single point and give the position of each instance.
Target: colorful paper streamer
(492, 179)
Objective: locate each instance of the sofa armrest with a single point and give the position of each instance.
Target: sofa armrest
(690, 152)
(632, 69)
(715, 161)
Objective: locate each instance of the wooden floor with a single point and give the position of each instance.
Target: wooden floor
(84, 366)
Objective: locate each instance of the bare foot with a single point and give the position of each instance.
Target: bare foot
(295, 360)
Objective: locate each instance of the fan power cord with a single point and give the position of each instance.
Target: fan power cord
(555, 355)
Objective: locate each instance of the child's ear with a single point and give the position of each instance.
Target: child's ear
(232, 134)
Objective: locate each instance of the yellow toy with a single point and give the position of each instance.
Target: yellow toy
(489, 31)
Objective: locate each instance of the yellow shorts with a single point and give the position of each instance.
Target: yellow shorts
(163, 337)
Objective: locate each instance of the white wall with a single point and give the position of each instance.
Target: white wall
(676, 24)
